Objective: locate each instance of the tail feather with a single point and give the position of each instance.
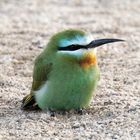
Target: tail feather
(29, 103)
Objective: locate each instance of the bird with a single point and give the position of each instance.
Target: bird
(66, 73)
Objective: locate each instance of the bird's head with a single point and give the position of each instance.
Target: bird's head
(77, 45)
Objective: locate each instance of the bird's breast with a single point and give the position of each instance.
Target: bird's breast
(89, 59)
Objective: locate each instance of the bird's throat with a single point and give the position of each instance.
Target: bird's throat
(88, 60)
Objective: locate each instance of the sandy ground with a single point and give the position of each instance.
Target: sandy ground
(26, 26)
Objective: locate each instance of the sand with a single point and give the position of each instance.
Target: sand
(26, 26)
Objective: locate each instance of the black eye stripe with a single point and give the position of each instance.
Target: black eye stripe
(72, 47)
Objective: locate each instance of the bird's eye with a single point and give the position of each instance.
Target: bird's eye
(72, 47)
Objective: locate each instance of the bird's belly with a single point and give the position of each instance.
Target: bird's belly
(69, 89)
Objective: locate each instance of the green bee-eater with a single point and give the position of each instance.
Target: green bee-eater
(66, 73)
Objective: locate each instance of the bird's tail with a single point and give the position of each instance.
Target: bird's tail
(29, 103)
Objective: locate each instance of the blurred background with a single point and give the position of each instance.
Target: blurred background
(25, 28)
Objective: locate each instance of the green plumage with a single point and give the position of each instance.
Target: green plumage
(68, 86)
(59, 81)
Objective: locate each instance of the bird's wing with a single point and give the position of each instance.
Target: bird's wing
(42, 69)
(40, 75)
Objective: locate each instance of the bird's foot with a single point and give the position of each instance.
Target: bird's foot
(79, 111)
(54, 113)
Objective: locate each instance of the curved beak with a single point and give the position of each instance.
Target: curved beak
(99, 42)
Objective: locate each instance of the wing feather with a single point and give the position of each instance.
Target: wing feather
(41, 72)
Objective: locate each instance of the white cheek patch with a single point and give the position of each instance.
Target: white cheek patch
(95, 50)
(79, 40)
(77, 53)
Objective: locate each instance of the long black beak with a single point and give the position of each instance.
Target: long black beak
(92, 44)
(99, 42)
